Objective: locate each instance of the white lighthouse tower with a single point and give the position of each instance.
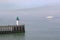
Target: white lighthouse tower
(17, 21)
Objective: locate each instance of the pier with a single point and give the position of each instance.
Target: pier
(12, 28)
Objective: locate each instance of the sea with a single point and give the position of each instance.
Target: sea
(39, 28)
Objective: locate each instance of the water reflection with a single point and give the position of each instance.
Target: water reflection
(15, 36)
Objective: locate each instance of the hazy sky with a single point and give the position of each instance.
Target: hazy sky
(14, 4)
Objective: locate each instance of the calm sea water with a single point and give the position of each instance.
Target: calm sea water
(40, 29)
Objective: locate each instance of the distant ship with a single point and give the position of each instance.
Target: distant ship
(49, 17)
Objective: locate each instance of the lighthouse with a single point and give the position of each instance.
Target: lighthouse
(17, 21)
